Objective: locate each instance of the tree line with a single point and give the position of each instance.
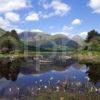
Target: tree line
(92, 42)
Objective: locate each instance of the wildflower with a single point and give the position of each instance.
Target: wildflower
(10, 89)
(91, 89)
(87, 78)
(78, 83)
(18, 89)
(57, 89)
(51, 78)
(58, 81)
(39, 89)
(41, 80)
(96, 89)
(45, 87)
(33, 93)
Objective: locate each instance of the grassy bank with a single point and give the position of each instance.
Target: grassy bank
(88, 57)
(31, 54)
(59, 96)
(67, 96)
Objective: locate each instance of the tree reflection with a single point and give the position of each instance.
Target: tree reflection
(94, 73)
(9, 69)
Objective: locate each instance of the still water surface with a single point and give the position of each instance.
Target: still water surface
(17, 76)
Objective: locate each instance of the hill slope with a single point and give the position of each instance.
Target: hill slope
(43, 40)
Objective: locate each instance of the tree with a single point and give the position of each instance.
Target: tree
(93, 41)
(14, 34)
(7, 46)
(9, 42)
(91, 35)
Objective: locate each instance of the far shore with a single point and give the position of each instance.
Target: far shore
(86, 57)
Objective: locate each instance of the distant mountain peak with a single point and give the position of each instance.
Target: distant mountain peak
(78, 39)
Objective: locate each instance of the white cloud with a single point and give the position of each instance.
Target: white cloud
(57, 7)
(83, 35)
(4, 23)
(33, 16)
(95, 5)
(69, 35)
(10, 5)
(48, 15)
(63, 33)
(54, 33)
(19, 30)
(36, 30)
(13, 17)
(76, 22)
(45, 4)
(67, 28)
(60, 7)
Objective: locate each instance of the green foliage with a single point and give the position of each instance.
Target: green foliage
(2, 32)
(91, 35)
(14, 34)
(9, 41)
(92, 41)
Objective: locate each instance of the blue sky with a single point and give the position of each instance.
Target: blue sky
(69, 17)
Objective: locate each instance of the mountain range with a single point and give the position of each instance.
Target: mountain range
(46, 41)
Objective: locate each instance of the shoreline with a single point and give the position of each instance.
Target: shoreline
(87, 57)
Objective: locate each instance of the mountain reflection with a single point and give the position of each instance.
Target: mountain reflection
(10, 69)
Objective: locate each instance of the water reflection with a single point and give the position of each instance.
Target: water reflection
(9, 69)
(75, 77)
(94, 73)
